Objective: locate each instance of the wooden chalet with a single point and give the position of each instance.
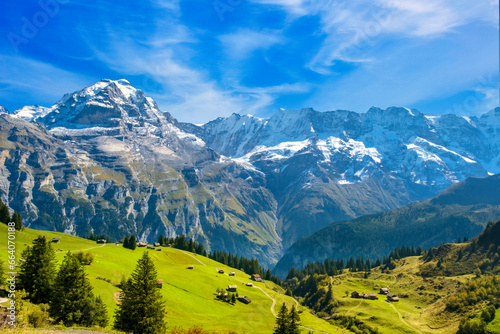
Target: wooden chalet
(370, 296)
(244, 299)
(56, 240)
(190, 267)
(159, 283)
(256, 278)
(356, 294)
(157, 244)
(232, 273)
(249, 284)
(101, 241)
(151, 247)
(158, 249)
(142, 244)
(221, 271)
(384, 291)
(232, 288)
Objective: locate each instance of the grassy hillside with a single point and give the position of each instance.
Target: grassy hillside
(189, 294)
(423, 304)
(447, 285)
(479, 256)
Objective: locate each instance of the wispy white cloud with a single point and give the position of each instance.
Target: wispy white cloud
(352, 27)
(242, 43)
(188, 92)
(411, 74)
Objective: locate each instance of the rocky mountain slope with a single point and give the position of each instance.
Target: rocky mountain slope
(460, 211)
(106, 159)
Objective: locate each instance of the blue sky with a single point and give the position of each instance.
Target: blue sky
(204, 59)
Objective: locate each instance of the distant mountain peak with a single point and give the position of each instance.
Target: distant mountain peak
(4, 110)
(106, 103)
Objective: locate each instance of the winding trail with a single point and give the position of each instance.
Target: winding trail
(355, 307)
(402, 320)
(194, 257)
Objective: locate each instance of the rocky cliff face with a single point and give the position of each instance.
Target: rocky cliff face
(105, 159)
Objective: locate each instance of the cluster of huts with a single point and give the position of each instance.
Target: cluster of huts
(371, 296)
(361, 295)
(390, 296)
(233, 288)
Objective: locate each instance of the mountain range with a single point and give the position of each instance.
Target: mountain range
(106, 160)
(461, 211)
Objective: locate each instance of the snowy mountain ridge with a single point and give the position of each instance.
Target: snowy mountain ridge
(405, 141)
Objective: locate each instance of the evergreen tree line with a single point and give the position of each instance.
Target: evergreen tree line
(67, 291)
(96, 237)
(6, 218)
(333, 267)
(180, 242)
(287, 322)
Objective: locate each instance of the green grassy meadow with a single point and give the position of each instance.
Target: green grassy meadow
(190, 295)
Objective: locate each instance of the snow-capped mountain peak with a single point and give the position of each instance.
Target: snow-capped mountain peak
(4, 110)
(107, 104)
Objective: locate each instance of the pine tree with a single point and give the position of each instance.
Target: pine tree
(191, 247)
(142, 309)
(73, 300)
(233, 298)
(293, 321)
(126, 243)
(133, 242)
(17, 220)
(4, 213)
(37, 272)
(282, 321)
